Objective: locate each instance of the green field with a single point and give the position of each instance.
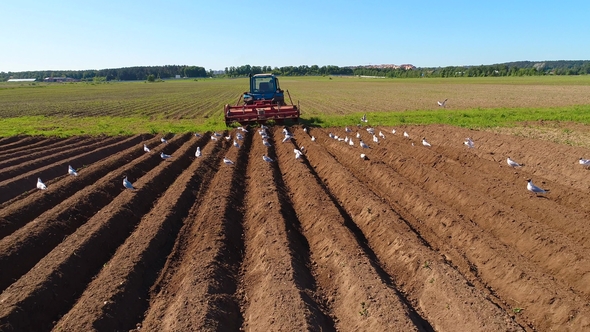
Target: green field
(196, 105)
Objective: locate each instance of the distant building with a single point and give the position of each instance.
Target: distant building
(22, 80)
(60, 79)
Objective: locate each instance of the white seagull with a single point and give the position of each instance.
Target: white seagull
(313, 138)
(358, 135)
(165, 156)
(534, 189)
(442, 103)
(363, 156)
(375, 139)
(363, 145)
(406, 135)
(145, 148)
(163, 140)
(227, 161)
(267, 159)
(346, 129)
(305, 129)
(350, 142)
(213, 138)
(127, 184)
(585, 162)
(364, 118)
(228, 137)
(198, 152)
(236, 144)
(469, 143)
(513, 163)
(298, 153)
(287, 137)
(197, 135)
(242, 129)
(40, 184)
(393, 131)
(265, 142)
(239, 136)
(381, 134)
(424, 142)
(72, 171)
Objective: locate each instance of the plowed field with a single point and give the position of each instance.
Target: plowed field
(413, 238)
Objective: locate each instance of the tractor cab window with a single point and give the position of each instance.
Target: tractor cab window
(264, 84)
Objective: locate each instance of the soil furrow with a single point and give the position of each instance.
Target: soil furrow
(124, 283)
(275, 280)
(38, 145)
(421, 274)
(552, 250)
(21, 250)
(22, 211)
(23, 182)
(506, 274)
(197, 289)
(16, 159)
(10, 143)
(65, 272)
(44, 159)
(345, 275)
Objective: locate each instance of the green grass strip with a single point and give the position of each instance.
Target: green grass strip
(107, 125)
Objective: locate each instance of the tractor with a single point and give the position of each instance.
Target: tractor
(265, 101)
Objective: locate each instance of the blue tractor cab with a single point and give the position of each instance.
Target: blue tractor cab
(264, 87)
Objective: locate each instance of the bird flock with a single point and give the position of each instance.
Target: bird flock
(350, 138)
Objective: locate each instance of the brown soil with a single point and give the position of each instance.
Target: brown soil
(443, 238)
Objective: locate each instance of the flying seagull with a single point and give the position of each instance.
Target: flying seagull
(127, 184)
(442, 103)
(72, 171)
(40, 184)
(364, 118)
(513, 163)
(298, 153)
(534, 189)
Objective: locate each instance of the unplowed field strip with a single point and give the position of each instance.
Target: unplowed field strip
(411, 238)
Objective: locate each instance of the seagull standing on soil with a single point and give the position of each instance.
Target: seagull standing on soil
(425, 143)
(313, 138)
(165, 156)
(406, 135)
(227, 161)
(393, 131)
(350, 142)
(127, 184)
(239, 136)
(213, 138)
(363, 156)
(469, 143)
(163, 140)
(358, 135)
(145, 148)
(40, 184)
(228, 137)
(346, 129)
(267, 159)
(197, 135)
(363, 145)
(375, 139)
(585, 162)
(287, 137)
(236, 144)
(298, 153)
(198, 152)
(442, 103)
(513, 163)
(381, 134)
(72, 171)
(265, 142)
(534, 189)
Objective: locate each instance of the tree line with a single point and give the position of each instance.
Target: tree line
(116, 74)
(521, 68)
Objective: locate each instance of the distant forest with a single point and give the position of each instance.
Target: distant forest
(518, 68)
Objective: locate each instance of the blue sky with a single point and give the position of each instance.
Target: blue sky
(78, 35)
